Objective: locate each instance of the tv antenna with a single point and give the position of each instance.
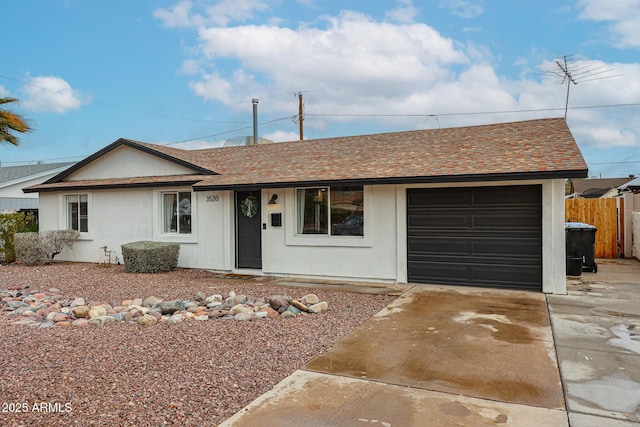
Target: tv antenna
(568, 73)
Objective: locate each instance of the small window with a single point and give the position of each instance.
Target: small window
(78, 213)
(176, 208)
(337, 211)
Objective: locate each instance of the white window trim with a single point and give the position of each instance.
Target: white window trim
(158, 225)
(291, 224)
(63, 212)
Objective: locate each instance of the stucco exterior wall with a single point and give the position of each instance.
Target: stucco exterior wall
(15, 189)
(636, 235)
(371, 257)
(382, 253)
(124, 162)
(122, 216)
(631, 204)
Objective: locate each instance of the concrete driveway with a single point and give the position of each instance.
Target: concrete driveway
(597, 335)
(435, 356)
(457, 356)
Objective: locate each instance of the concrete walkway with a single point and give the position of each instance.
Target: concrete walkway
(442, 355)
(596, 330)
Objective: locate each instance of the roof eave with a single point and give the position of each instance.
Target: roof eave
(514, 176)
(84, 187)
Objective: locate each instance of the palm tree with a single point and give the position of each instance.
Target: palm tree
(11, 122)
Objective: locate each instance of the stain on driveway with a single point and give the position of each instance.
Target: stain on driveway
(487, 344)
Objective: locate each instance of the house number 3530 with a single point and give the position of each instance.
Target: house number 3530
(212, 198)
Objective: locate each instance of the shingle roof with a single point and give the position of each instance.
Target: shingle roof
(633, 184)
(518, 150)
(581, 186)
(11, 173)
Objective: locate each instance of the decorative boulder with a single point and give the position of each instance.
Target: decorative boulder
(150, 257)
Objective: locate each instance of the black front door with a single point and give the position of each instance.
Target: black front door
(248, 230)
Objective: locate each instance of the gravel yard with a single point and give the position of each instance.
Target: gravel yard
(125, 374)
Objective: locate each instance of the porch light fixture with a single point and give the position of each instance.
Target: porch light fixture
(273, 201)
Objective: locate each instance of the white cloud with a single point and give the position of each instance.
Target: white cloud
(178, 16)
(352, 52)
(196, 145)
(351, 64)
(464, 8)
(623, 16)
(181, 15)
(4, 92)
(405, 13)
(282, 136)
(51, 94)
(190, 67)
(607, 135)
(226, 11)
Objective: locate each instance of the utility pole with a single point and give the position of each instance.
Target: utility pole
(300, 113)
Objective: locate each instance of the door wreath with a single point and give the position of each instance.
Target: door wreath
(249, 206)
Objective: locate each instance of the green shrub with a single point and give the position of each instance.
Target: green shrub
(10, 224)
(41, 248)
(150, 257)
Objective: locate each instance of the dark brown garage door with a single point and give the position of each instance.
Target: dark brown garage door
(482, 236)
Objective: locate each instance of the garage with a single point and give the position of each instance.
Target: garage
(475, 236)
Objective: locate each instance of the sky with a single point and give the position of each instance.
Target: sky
(185, 72)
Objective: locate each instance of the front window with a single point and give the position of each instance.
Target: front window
(176, 207)
(78, 213)
(336, 211)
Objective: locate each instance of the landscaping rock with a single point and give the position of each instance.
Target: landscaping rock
(60, 317)
(319, 307)
(310, 299)
(293, 309)
(243, 317)
(46, 309)
(118, 316)
(170, 307)
(97, 311)
(101, 321)
(151, 301)
(80, 322)
(300, 306)
(81, 311)
(270, 312)
(147, 320)
(77, 302)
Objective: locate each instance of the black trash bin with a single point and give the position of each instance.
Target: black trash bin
(580, 243)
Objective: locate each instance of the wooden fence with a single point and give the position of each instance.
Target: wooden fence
(602, 213)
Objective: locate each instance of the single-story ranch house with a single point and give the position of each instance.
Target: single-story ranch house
(477, 206)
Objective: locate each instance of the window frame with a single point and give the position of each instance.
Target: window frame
(177, 216)
(159, 233)
(294, 238)
(67, 212)
(325, 225)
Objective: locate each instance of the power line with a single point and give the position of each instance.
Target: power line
(615, 163)
(472, 113)
(226, 132)
(167, 143)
